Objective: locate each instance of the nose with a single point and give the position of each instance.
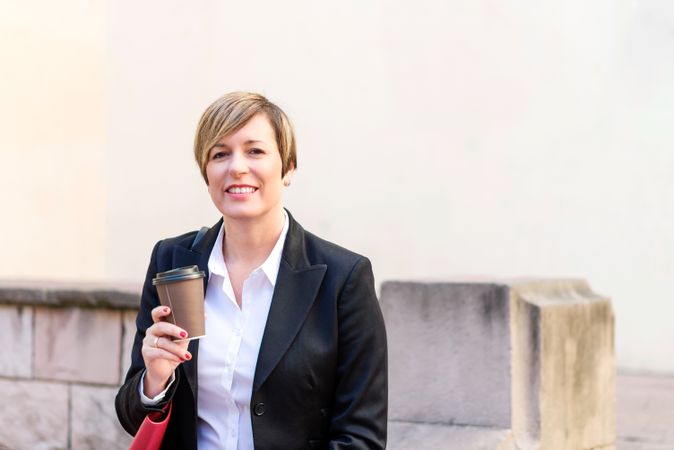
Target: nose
(238, 164)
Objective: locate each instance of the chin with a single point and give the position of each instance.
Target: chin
(241, 213)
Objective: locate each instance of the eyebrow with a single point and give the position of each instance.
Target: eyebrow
(249, 141)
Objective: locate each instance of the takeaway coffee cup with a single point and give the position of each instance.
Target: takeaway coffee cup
(182, 290)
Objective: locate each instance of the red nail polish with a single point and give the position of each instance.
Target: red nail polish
(166, 310)
(188, 356)
(183, 334)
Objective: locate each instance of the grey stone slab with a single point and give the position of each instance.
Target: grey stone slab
(94, 424)
(128, 334)
(414, 436)
(89, 295)
(98, 298)
(449, 352)
(34, 415)
(645, 411)
(16, 335)
(75, 344)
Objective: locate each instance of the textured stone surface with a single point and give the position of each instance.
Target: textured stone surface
(413, 436)
(107, 295)
(563, 364)
(453, 348)
(94, 424)
(34, 415)
(16, 335)
(645, 412)
(493, 365)
(77, 344)
(128, 334)
(449, 353)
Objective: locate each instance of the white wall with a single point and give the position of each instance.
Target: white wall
(439, 138)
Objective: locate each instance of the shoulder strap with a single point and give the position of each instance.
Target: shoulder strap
(199, 237)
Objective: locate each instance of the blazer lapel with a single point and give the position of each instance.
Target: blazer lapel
(199, 256)
(297, 285)
(294, 294)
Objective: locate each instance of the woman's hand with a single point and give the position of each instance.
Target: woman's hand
(160, 353)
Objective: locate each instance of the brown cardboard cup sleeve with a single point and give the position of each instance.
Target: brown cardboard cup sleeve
(182, 290)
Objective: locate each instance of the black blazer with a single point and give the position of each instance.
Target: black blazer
(321, 375)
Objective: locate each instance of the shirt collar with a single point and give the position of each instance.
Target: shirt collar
(270, 267)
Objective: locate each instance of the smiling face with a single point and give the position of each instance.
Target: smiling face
(244, 172)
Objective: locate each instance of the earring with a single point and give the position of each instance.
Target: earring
(286, 183)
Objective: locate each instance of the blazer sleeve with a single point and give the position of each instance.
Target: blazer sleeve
(130, 410)
(359, 417)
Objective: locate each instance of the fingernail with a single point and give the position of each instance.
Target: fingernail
(166, 310)
(182, 359)
(183, 334)
(188, 356)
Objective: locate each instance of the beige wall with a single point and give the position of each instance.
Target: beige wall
(53, 139)
(439, 138)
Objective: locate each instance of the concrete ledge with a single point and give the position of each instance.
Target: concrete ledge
(83, 295)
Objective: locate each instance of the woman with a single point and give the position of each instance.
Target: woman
(295, 350)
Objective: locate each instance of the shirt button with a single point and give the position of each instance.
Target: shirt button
(259, 409)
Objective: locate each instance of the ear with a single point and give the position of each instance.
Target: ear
(287, 178)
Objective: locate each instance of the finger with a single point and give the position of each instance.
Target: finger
(151, 340)
(178, 349)
(160, 312)
(167, 329)
(163, 343)
(152, 353)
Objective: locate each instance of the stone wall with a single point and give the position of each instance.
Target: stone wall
(489, 365)
(65, 350)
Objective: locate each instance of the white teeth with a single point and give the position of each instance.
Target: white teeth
(241, 190)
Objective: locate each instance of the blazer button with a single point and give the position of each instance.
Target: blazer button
(259, 409)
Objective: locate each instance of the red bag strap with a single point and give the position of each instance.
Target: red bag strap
(152, 430)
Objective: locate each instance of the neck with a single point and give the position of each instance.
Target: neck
(250, 241)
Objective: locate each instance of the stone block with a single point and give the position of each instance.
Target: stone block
(563, 365)
(75, 344)
(16, 335)
(533, 357)
(415, 436)
(94, 424)
(34, 415)
(449, 353)
(128, 334)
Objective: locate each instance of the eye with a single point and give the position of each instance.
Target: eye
(256, 151)
(219, 154)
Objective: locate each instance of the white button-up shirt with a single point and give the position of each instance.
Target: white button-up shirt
(228, 353)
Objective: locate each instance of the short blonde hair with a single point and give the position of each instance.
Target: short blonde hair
(232, 111)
